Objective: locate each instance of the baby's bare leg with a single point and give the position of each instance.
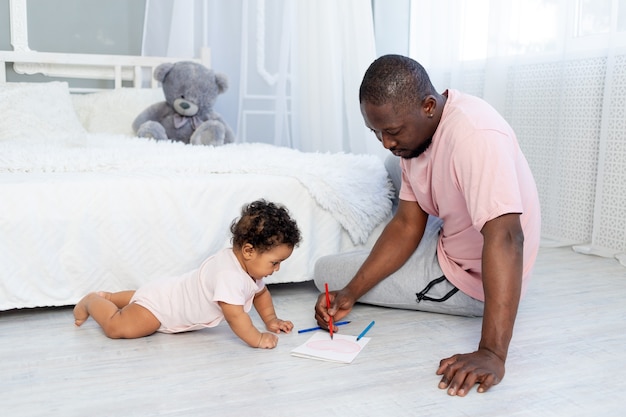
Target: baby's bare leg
(129, 322)
(121, 299)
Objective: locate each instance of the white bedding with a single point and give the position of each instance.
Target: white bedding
(353, 188)
(106, 211)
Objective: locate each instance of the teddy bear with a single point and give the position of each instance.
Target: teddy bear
(187, 114)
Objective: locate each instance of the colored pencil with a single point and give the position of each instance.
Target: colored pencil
(330, 321)
(339, 323)
(367, 329)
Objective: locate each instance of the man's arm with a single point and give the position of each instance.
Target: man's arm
(393, 247)
(502, 280)
(502, 267)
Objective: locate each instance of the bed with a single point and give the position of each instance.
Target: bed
(85, 205)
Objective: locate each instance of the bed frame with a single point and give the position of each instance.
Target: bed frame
(119, 68)
(136, 70)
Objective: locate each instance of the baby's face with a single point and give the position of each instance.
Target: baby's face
(263, 264)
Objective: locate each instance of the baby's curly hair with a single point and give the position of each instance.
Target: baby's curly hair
(265, 225)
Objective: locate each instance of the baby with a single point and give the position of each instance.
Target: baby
(225, 286)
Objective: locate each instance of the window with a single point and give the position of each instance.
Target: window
(470, 30)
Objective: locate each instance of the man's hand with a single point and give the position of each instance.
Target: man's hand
(460, 372)
(341, 303)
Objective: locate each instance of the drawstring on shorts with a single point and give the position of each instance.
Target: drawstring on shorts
(421, 296)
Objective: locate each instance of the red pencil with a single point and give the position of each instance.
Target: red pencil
(330, 321)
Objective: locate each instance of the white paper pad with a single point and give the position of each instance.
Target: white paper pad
(343, 348)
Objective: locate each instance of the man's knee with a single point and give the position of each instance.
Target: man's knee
(337, 270)
(392, 165)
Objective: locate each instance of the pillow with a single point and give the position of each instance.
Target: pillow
(39, 112)
(114, 111)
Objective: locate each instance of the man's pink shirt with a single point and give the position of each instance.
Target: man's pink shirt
(473, 172)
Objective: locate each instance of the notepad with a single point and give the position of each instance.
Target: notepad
(342, 348)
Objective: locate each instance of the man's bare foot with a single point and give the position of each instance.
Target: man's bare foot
(80, 310)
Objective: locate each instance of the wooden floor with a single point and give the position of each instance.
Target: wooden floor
(567, 358)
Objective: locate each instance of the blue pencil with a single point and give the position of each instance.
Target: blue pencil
(319, 328)
(367, 329)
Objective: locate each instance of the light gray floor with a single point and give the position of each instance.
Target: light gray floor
(567, 358)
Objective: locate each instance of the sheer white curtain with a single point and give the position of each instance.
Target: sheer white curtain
(334, 47)
(294, 66)
(556, 69)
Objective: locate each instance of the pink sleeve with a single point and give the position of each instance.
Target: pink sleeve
(488, 195)
(406, 191)
(229, 289)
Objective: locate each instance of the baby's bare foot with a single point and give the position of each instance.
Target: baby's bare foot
(80, 314)
(80, 310)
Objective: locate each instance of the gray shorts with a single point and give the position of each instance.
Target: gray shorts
(418, 285)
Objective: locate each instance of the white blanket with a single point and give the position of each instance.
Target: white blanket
(354, 188)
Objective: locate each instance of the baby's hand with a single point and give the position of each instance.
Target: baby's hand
(268, 341)
(277, 325)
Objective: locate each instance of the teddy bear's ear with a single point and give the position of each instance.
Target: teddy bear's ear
(161, 71)
(222, 83)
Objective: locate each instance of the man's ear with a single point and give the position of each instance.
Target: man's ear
(429, 104)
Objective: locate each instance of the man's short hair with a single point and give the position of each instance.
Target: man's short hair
(397, 79)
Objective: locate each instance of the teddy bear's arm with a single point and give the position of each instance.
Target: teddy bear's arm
(155, 112)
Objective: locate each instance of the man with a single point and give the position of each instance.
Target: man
(465, 235)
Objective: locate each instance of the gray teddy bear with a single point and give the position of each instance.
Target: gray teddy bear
(186, 115)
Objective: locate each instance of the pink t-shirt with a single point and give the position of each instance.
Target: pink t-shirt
(473, 172)
(190, 301)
